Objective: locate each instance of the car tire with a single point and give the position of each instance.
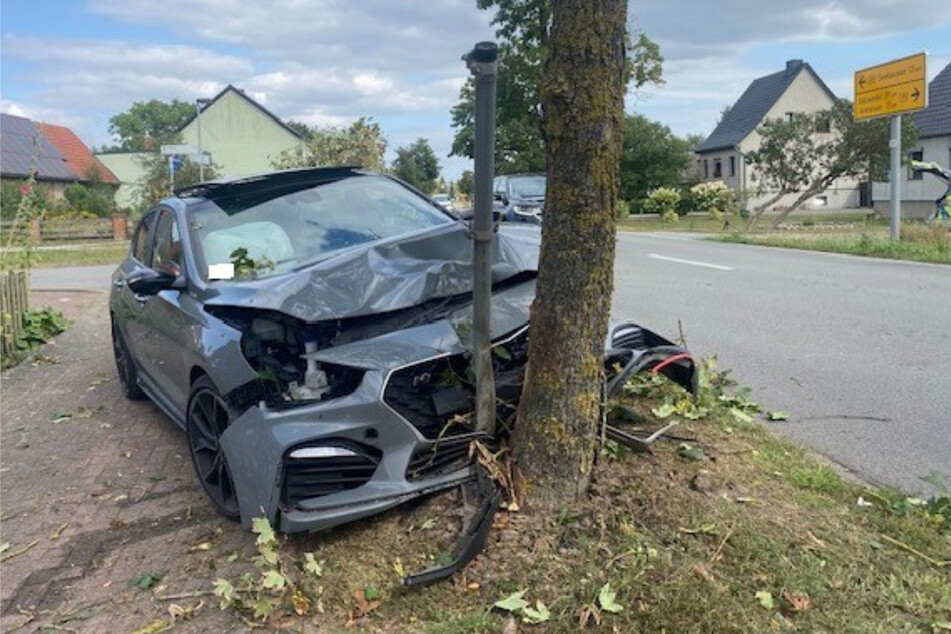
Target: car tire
(206, 419)
(125, 366)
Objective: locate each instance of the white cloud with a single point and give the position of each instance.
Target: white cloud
(699, 28)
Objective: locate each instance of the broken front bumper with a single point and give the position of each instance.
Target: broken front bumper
(316, 466)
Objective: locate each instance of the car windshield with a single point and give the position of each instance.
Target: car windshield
(528, 186)
(262, 231)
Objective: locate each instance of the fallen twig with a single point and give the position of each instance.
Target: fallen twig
(59, 531)
(716, 553)
(931, 560)
(18, 551)
(185, 595)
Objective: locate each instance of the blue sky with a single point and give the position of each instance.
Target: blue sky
(327, 62)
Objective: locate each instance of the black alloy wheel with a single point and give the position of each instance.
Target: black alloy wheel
(208, 417)
(125, 366)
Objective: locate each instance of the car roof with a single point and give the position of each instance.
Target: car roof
(301, 176)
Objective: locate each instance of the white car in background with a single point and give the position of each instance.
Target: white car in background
(444, 201)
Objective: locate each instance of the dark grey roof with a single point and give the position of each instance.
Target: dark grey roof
(753, 104)
(935, 120)
(17, 152)
(240, 93)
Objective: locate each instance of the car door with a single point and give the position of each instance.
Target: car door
(130, 306)
(169, 331)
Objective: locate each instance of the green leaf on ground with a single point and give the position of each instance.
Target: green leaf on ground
(538, 614)
(765, 598)
(146, 580)
(690, 452)
(607, 599)
(514, 602)
(312, 566)
(664, 411)
(272, 579)
(371, 593)
(777, 416)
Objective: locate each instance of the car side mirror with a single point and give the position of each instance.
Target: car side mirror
(150, 281)
(502, 198)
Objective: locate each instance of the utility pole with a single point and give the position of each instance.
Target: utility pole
(482, 62)
(201, 157)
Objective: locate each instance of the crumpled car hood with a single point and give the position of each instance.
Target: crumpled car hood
(382, 277)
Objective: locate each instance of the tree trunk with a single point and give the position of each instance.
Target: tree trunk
(806, 195)
(582, 97)
(759, 211)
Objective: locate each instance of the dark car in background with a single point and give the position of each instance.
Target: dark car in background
(310, 331)
(520, 197)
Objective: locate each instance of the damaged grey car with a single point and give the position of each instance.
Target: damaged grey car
(310, 332)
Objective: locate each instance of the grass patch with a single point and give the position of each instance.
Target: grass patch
(67, 255)
(919, 243)
(755, 536)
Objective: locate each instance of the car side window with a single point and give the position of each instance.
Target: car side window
(140, 242)
(167, 254)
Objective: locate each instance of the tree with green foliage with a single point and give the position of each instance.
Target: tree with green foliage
(156, 185)
(793, 158)
(161, 121)
(417, 165)
(652, 157)
(301, 128)
(361, 144)
(523, 28)
(466, 184)
(582, 92)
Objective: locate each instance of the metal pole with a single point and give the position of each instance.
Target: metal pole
(894, 144)
(201, 161)
(482, 62)
(171, 175)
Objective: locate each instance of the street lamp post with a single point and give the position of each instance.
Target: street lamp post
(201, 161)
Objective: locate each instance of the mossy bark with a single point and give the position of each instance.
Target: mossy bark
(582, 96)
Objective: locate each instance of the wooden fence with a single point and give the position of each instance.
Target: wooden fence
(14, 302)
(60, 229)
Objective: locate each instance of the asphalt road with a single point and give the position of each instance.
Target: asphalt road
(71, 278)
(858, 350)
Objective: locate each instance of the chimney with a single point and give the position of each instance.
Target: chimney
(792, 66)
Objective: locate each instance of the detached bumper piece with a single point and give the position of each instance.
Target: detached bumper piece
(472, 539)
(633, 349)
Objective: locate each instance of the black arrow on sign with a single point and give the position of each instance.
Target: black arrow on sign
(862, 82)
(915, 94)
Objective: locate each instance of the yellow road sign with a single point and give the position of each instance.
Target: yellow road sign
(892, 88)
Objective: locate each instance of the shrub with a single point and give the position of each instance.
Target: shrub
(663, 201)
(90, 200)
(622, 209)
(714, 198)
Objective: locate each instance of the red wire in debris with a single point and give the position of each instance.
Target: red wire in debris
(663, 364)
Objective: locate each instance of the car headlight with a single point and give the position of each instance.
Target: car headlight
(524, 210)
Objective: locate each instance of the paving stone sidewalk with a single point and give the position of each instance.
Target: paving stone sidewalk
(96, 490)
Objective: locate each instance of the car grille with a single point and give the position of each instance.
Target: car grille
(315, 477)
(441, 457)
(432, 394)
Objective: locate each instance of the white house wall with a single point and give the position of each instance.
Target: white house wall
(917, 196)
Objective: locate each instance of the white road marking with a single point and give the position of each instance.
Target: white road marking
(718, 267)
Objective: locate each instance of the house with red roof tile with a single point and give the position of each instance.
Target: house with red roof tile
(53, 154)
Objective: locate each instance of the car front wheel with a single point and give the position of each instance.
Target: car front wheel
(208, 417)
